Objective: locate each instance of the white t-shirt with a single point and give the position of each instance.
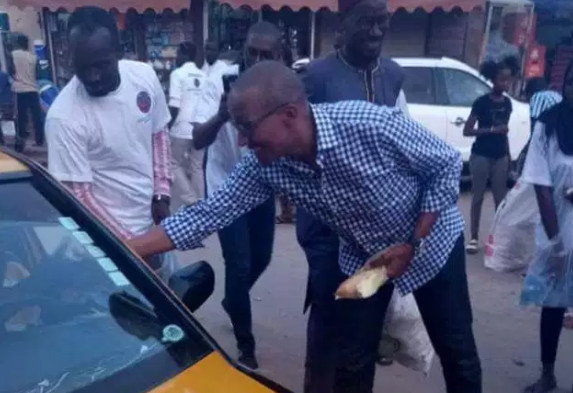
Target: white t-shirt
(217, 68)
(25, 66)
(224, 153)
(546, 165)
(185, 86)
(107, 141)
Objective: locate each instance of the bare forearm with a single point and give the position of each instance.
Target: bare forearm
(425, 224)
(174, 113)
(153, 242)
(204, 134)
(547, 210)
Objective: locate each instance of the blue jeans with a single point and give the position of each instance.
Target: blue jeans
(247, 246)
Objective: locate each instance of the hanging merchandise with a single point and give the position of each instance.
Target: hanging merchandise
(163, 33)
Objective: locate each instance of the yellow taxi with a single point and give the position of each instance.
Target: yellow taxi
(79, 312)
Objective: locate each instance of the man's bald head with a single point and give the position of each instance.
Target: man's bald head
(268, 106)
(270, 83)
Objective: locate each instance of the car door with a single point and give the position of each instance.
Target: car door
(419, 88)
(459, 89)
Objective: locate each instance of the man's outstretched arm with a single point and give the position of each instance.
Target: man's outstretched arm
(242, 191)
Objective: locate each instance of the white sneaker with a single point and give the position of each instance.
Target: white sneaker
(472, 247)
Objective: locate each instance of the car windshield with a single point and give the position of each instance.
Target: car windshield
(71, 318)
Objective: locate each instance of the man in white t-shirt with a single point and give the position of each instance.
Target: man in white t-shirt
(185, 86)
(248, 242)
(213, 65)
(23, 70)
(107, 130)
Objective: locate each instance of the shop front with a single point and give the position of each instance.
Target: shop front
(149, 30)
(230, 20)
(419, 28)
(509, 28)
(553, 32)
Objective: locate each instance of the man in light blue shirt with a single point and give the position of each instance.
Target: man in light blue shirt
(351, 165)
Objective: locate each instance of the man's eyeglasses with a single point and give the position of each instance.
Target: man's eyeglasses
(247, 128)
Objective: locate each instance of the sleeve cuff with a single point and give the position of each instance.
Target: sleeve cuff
(176, 229)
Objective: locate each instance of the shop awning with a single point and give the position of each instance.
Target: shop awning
(121, 6)
(431, 5)
(295, 5)
(512, 2)
(315, 5)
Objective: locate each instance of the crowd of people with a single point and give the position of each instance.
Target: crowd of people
(339, 144)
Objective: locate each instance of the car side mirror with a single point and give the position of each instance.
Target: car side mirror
(193, 284)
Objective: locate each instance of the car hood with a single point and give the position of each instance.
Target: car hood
(211, 375)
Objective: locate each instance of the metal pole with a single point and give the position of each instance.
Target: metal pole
(312, 33)
(487, 31)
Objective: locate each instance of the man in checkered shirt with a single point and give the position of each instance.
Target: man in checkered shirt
(381, 181)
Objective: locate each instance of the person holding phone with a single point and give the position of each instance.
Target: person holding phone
(549, 167)
(489, 161)
(247, 243)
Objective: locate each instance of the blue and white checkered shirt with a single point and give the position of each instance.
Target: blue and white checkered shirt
(542, 101)
(378, 171)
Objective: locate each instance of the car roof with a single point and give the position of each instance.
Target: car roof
(438, 62)
(9, 164)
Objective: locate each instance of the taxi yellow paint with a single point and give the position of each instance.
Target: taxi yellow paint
(211, 375)
(9, 164)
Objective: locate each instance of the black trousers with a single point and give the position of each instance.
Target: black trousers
(551, 326)
(247, 246)
(343, 336)
(28, 102)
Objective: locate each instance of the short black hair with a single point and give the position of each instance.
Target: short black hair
(188, 49)
(89, 19)
(267, 29)
(23, 41)
(490, 69)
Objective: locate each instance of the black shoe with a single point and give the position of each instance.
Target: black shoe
(249, 361)
(545, 384)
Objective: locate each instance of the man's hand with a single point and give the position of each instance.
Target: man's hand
(223, 112)
(397, 260)
(160, 209)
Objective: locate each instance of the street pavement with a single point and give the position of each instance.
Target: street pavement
(507, 334)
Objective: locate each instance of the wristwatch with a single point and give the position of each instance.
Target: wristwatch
(158, 198)
(417, 244)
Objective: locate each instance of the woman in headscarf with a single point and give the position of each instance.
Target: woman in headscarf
(549, 167)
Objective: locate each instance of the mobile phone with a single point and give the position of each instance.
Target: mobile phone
(228, 80)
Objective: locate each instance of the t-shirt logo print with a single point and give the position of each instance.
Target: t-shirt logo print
(144, 102)
(197, 82)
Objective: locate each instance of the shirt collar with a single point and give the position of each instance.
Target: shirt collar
(346, 63)
(326, 136)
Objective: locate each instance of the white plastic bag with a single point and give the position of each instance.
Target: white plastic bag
(510, 245)
(404, 338)
(542, 288)
(169, 265)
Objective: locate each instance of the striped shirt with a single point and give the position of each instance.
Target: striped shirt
(542, 101)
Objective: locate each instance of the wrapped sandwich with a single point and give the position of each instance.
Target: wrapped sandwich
(365, 283)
